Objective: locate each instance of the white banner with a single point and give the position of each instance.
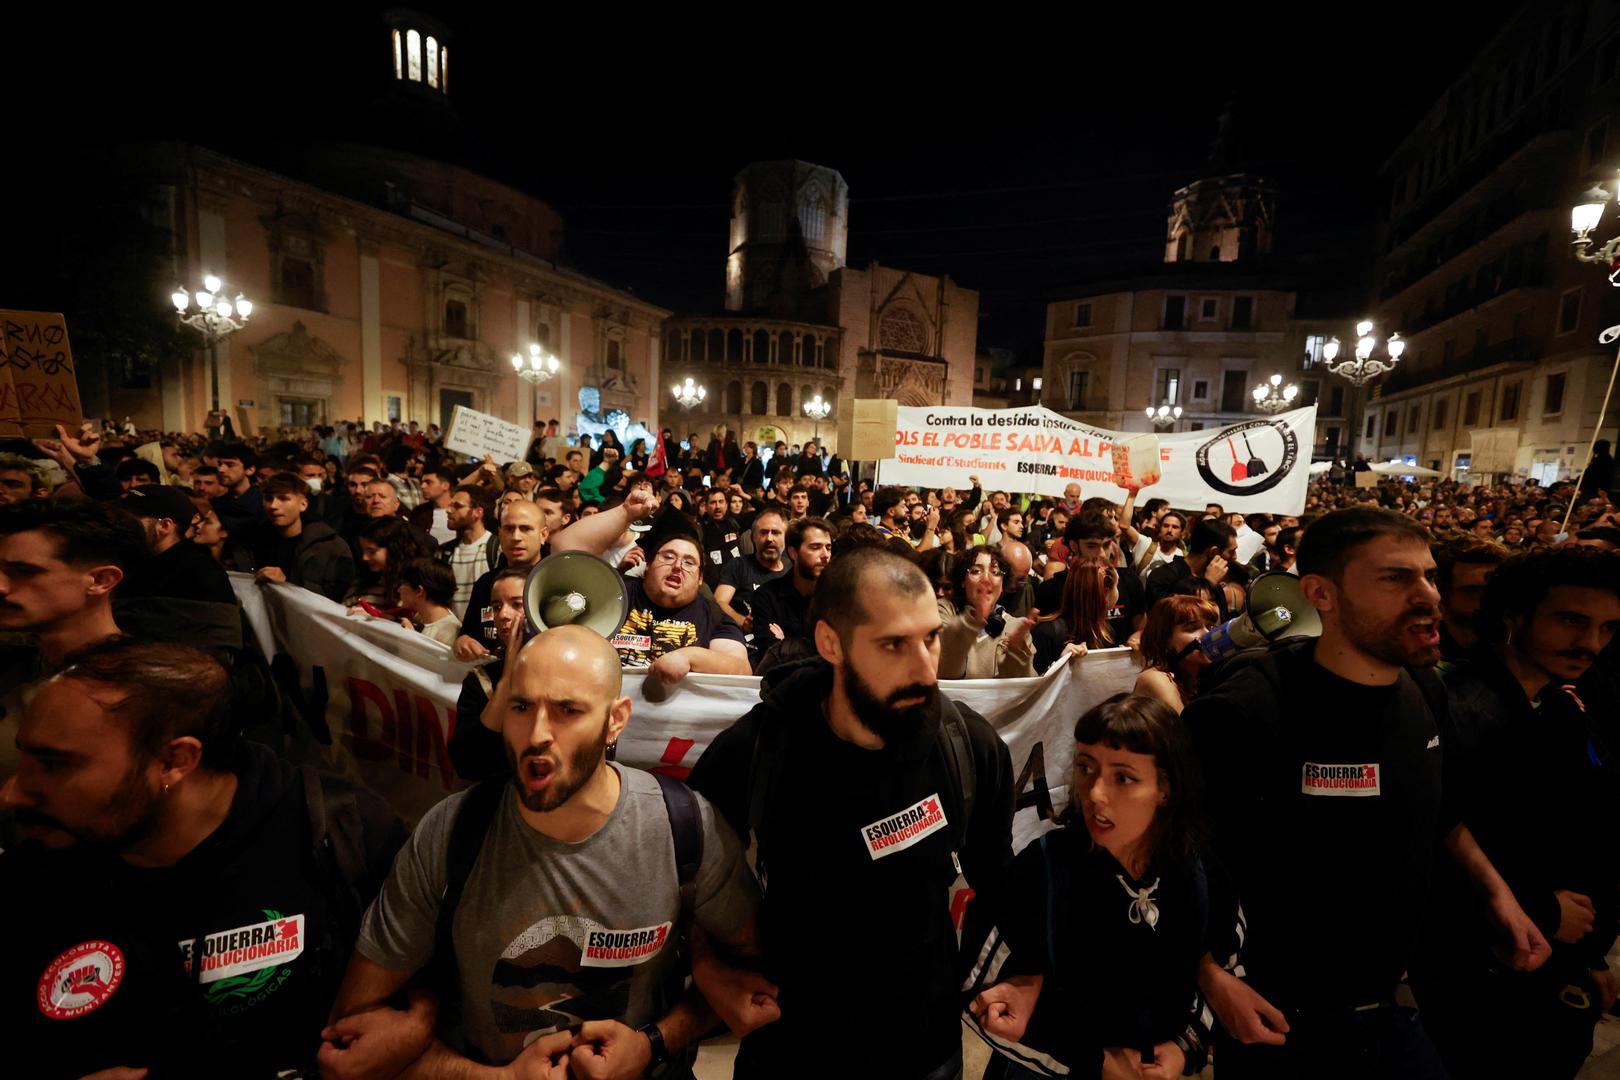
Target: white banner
(1493, 450)
(387, 697)
(1252, 466)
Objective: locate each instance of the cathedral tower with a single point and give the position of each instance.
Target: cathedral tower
(789, 230)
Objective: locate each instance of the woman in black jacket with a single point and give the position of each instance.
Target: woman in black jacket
(1108, 918)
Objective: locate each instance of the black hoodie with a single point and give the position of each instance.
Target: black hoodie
(857, 931)
(95, 962)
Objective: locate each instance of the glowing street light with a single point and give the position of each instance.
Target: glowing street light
(214, 317)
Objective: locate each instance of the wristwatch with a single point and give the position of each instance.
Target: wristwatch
(660, 1053)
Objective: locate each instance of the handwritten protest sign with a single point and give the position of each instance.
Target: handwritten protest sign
(1248, 466)
(38, 388)
(476, 434)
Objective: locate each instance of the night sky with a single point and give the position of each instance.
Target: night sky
(1016, 157)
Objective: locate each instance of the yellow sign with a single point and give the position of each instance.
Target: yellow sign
(38, 388)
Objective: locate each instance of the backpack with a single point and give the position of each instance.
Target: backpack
(472, 824)
(337, 838)
(766, 765)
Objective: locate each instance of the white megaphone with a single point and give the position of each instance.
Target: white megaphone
(575, 588)
(1276, 609)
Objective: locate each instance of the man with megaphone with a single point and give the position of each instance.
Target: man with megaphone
(674, 626)
(1322, 758)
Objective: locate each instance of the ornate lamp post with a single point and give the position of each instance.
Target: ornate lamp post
(688, 394)
(1164, 416)
(539, 366)
(1272, 396)
(1583, 218)
(1362, 368)
(817, 410)
(214, 317)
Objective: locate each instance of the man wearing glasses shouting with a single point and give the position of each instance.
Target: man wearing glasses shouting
(675, 626)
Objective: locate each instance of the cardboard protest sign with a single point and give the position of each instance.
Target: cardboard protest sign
(1247, 466)
(478, 434)
(38, 387)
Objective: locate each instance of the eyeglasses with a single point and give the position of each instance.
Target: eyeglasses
(670, 558)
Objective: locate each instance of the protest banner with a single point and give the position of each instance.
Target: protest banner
(385, 699)
(1492, 450)
(38, 387)
(479, 434)
(1252, 466)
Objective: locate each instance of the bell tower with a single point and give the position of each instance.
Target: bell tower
(1224, 217)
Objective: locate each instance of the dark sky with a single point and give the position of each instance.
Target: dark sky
(1016, 156)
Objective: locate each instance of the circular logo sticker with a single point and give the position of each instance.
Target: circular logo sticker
(80, 980)
(1248, 458)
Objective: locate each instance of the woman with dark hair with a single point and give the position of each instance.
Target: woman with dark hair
(1090, 594)
(1171, 658)
(638, 455)
(386, 545)
(936, 564)
(1110, 917)
(978, 640)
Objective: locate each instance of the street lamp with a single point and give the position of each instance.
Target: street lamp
(1583, 218)
(688, 394)
(1272, 396)
(817, 410)
(1164, 416)
(539, 367)
(1363, 367)
(214, 317)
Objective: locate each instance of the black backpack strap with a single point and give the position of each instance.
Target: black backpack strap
(763, 772)
(466, 842)
(686, 830)
(337, 840)
(959, 756)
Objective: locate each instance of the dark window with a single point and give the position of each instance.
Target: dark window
(1372, 425)
(455, 319)
(1167, 388)
(1413, 415)
(297, 282)
(1082, 314)
(1079, 388)
(808, 347)
(1200, 390)
(1215, 253)
(1234, 391)
(1471, 409)
(759, 399)
(1438, 420)
(1336, 402)
(717, 346)
(1510, 402)
(1242, 312)
(698, 349)
(784, 400)
(1392, 421)
(1208, 308)
(615, 357)
(1569, 311)
(1554, 402)
(1175, 312)
(734, 396)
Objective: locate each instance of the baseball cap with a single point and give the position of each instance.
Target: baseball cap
(157, 501)
(520, 468)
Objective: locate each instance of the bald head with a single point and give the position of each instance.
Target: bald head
(575, 654)
(1019, 560)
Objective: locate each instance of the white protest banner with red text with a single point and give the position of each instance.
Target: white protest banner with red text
(388, 699)
(1252, 466)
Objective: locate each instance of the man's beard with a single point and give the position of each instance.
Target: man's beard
(130, 815)
(805, 572)
(567, 778)
(879, 716)
(1387, 641)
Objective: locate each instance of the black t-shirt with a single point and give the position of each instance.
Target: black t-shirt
(864, 923)
(746, 575)
(651, 630)
(1120, 978)
(1326, 803)
(95, 968)
(722, 543)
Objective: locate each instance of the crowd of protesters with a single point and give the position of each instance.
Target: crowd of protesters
(1270, 861)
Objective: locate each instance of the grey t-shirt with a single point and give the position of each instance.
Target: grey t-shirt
(548, 933)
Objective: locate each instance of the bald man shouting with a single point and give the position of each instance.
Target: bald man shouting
(549, 903)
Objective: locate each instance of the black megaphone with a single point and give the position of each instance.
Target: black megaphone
(1276, 609)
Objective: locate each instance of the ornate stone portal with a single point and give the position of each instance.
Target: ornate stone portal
(450, 373)
(299, 378)
(911, 382)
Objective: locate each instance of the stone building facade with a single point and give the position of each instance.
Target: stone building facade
(800, 323)
(1474, 270)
